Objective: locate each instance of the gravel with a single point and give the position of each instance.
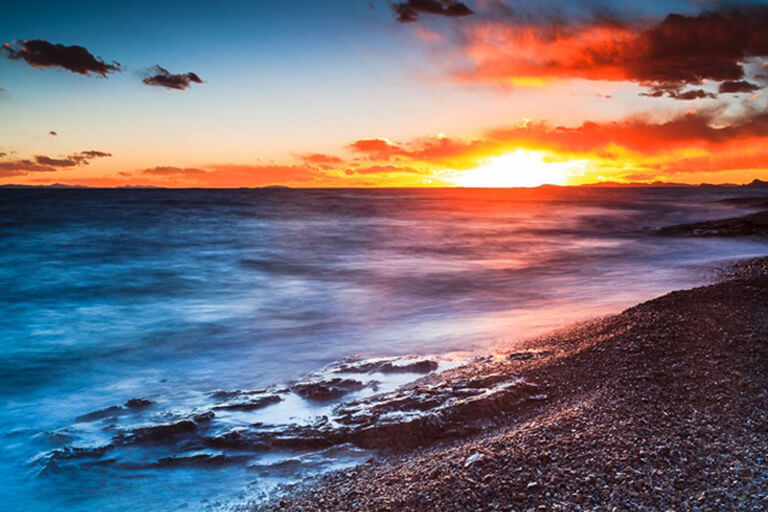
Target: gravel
(662, 407)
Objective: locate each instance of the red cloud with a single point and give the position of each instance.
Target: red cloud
(235, 175)
(381, 148)
(638, 135)
(677, 51)
(321, 159)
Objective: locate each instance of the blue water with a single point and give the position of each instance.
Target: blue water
(107, 295)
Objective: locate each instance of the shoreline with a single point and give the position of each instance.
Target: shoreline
(659, 407)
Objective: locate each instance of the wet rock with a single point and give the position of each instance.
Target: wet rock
(229, 395)
(109, 412)
(527, 355)
(204, 417)
(389, 366)
(325, 390)
(157, 433)
(755, 224)
(72, 453)
(236, 439)
(199, 459)
(291, 437)
(423, 414)
(424, 366)
(248, 402)
(138, 403)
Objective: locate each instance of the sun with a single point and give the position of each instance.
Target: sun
(521, 168)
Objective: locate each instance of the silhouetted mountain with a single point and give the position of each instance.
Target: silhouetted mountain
(54, 185)
(757, 184)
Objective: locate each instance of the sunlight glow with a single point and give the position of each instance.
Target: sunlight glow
(520, 169)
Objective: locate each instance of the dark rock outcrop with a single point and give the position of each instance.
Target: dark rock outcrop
(326, 390)
(755, 224)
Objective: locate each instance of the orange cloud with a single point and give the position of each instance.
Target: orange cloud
(173, 171)
(237, 175)
(671, 54)
(692, 145)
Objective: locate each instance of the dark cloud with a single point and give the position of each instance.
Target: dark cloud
(94, 154)
(42, 54)
(44, 163)
(409, 11)
(679, 50)
(738, 86)
(58, 162)
(690, 49)
(17, 167)
(675, 92)
(161, 77)
(53, 132)
(693, 94)
(3, 155)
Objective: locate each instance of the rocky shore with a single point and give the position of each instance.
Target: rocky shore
(662, 407)
(752, 225)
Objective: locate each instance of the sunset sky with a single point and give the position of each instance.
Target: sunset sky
(374, 93)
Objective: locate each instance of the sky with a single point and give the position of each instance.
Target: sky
(358, 93)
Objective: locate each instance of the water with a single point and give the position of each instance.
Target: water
(170, 295)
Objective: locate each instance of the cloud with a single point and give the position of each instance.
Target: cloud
(19, 167)
(238, 175)
(173, 171)
(52, 132)
(677, 51)
(409, 11)
(57, 162)
(42, 54)
(321, 159)
(44, 163)
(382, 169)
(90, 155)
(376, 148)
(160, 77)
(738, 87)
(639, 135)
(3, 155)
(230, 175)
(696, 141)
(674, 91)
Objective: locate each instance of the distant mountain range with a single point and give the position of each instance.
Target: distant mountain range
(756, 183)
